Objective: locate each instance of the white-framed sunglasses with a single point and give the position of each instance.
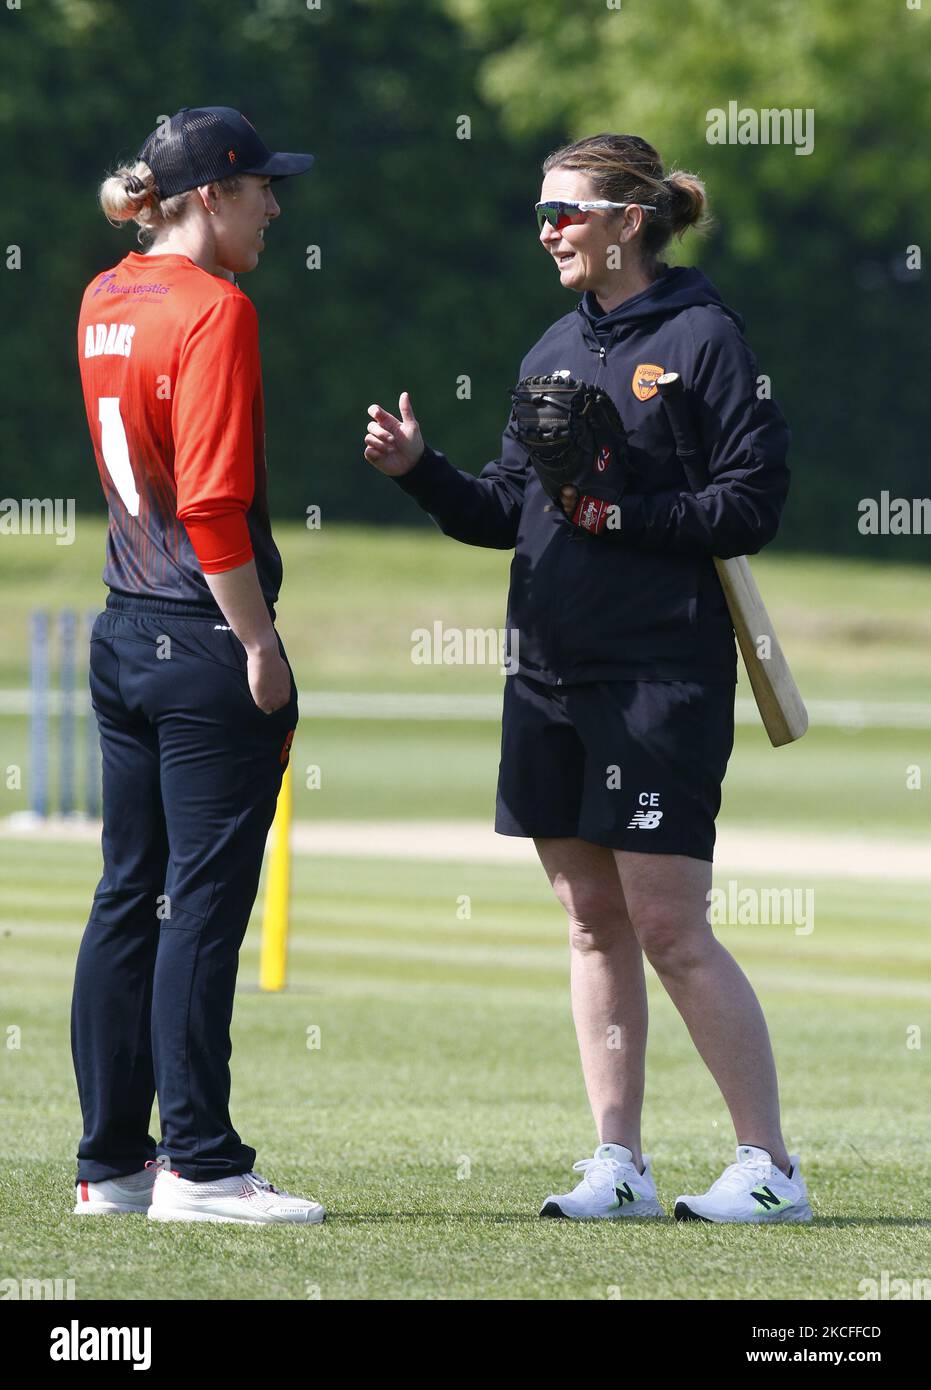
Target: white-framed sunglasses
(569, 214)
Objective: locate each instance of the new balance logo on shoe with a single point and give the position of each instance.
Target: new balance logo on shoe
(625, 1194)
(769, 1201)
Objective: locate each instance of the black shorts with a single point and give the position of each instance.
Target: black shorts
(633, 765)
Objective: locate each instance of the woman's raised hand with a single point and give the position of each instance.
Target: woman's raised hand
(393, 445)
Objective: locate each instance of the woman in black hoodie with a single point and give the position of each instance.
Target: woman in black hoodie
(618, 721)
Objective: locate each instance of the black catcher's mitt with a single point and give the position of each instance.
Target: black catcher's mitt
(574, 438)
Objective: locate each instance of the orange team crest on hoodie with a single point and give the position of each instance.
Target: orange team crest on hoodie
(644, 382)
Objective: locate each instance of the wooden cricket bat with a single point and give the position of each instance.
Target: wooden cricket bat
(777, 696)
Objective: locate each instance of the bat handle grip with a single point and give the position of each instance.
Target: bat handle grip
(688, 449)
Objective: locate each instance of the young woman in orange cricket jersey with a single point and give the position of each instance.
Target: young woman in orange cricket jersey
(194, 696)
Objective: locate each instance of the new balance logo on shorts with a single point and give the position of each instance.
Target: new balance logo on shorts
(649, 816)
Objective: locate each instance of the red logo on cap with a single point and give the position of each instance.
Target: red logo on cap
(231, 156)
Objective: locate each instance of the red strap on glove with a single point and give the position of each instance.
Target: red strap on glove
(591, 513)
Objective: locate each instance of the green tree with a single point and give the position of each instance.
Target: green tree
(430, 271)
(814, 249)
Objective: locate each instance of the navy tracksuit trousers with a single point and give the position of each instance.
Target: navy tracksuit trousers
(191, 772)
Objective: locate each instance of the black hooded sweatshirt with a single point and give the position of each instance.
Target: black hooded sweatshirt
(642, 601)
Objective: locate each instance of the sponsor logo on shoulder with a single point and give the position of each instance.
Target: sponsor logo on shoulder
(104, 281)
(111, 285)
(644, 380)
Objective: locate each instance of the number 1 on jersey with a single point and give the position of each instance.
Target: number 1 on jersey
(115, 449)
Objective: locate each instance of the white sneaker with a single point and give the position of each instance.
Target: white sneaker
(113, 1196)
(751, 1190)
(611, 1188)
(247, 1197)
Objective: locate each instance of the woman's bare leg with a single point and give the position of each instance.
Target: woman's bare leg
(666, 897)
(609, 1000)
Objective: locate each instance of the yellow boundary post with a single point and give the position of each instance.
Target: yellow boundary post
(273, 956)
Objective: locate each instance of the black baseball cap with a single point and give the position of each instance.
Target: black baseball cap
(207, 143)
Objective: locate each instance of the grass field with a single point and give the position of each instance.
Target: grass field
(414, 770)
(445, 1101)
(353, 595)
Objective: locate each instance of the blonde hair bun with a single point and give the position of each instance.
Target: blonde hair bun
(126, 192)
